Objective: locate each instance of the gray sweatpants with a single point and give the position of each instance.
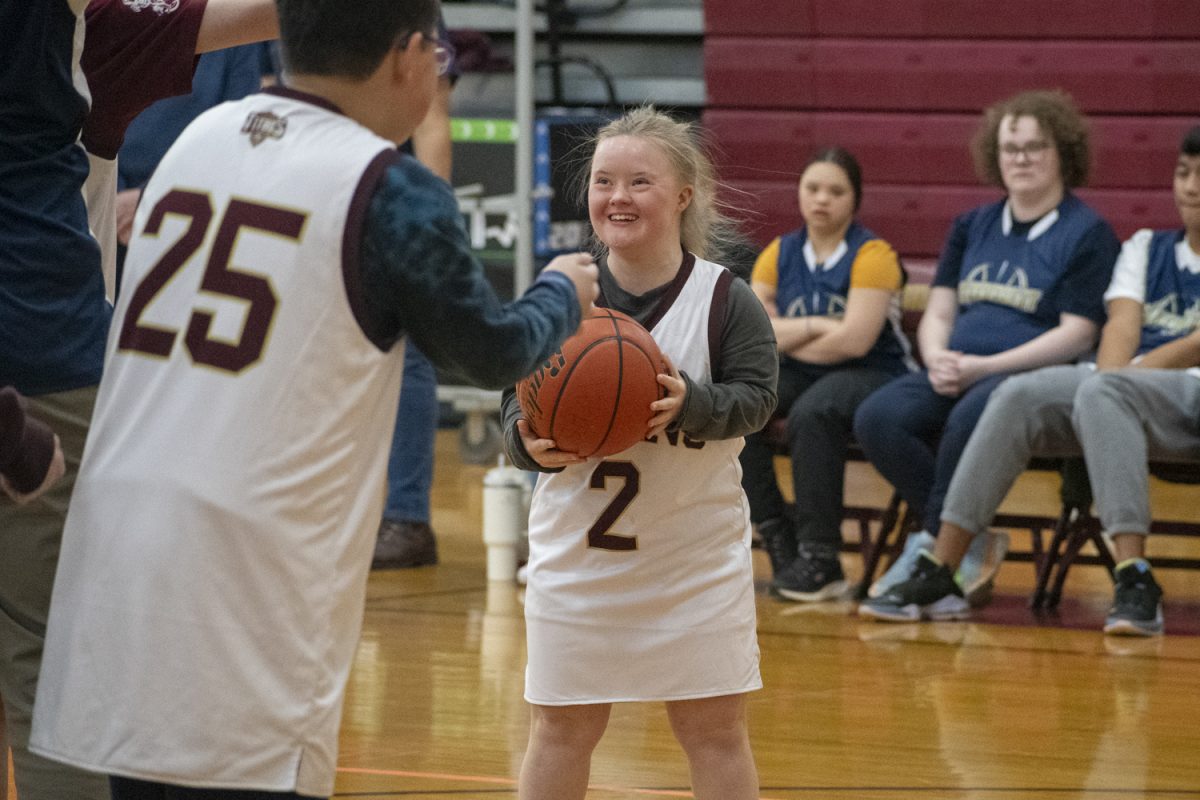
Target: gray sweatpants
(1118, 421)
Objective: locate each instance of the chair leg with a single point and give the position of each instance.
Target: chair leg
(872, 550)
(1049, 560)
(1080, 533)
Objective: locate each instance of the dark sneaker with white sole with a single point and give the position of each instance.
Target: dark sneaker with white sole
(1137, 602)
(815, 575)
(779, 540)
(930, 593)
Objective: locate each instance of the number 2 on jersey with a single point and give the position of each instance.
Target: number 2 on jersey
(219, 278)
(598, 535)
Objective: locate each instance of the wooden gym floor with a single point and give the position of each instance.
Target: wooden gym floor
(1016, 706)
(1013, 707)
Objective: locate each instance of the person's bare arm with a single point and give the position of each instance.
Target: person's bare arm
(1181, 353)
(854, 334)
(1070, 338)
(937, 321)
(790, 332)
(1121, 334)
(228, 23)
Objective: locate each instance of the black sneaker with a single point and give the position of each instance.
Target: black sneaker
(404, 543)
(929, 593)
(814, 575)
(779, 540)
(1137, 602)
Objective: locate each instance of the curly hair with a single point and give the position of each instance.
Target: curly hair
(1056, 114)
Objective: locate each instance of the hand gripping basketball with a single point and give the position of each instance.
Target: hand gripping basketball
(593, 396)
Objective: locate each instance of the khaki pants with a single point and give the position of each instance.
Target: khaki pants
(29, 540)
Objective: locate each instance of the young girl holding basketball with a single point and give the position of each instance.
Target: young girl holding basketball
(640, 584)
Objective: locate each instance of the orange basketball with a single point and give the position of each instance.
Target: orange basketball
(593, 396)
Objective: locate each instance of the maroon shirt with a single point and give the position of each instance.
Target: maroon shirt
(135, 52)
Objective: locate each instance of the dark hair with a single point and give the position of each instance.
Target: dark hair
(348, 39)
(1057, 116)
(841, 157)
(1190, 146)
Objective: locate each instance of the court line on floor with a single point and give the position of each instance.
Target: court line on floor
(445, 776)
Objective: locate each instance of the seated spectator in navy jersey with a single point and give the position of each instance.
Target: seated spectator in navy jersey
(1138, 401)
(1019, 285)
(832, 291)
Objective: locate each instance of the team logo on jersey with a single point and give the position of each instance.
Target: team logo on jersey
(827, 305)
(159, 7)
(1007, 286)
(1167, 316)
(262, 125)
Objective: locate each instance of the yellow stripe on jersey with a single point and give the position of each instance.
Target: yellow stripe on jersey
(876, 267)
(766, 266)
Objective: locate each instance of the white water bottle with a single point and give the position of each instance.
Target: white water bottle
(505, 517)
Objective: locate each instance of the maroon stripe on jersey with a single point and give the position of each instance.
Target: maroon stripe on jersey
(716, 323)
(303, 97)
(672, 293)
(352, 243)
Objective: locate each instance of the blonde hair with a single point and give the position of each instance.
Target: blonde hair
(705, 229)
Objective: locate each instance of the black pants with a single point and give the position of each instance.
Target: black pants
(130, 789)
(820, 406)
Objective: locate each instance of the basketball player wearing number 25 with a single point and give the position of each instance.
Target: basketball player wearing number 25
(211, 584)
(640, 585)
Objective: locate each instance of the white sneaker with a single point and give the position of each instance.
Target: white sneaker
(980, 565)
(900, 571)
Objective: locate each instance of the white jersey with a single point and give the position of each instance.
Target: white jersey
(210, 589)
(640, 578)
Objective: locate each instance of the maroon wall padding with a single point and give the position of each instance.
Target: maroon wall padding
(916, 219)
(901, 84)
(959, 75)
(949, 19)
(1127, 152)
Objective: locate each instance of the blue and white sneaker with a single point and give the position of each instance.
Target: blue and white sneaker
(977, 572)
(930, 593)
(903, 566)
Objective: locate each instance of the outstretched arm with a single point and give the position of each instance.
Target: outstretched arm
(228, 23)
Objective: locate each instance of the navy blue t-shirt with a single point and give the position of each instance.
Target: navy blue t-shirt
(1014, 279)
(53, 315)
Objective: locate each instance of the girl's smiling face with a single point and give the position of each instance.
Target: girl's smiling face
(635, 198)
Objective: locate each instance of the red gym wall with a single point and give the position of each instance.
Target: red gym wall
(901, 83)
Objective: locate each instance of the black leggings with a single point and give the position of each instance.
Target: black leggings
(130, 789)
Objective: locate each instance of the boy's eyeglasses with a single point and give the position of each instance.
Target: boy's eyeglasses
(443, 51)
